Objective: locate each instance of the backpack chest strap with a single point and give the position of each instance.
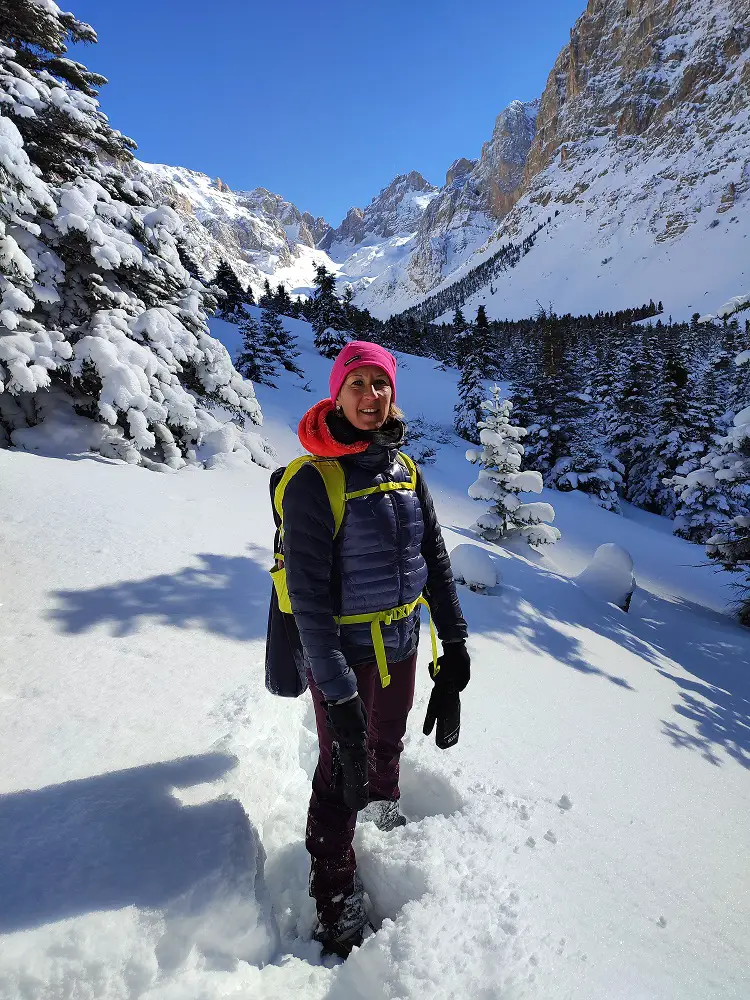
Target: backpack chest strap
(410, 484)
(380, 488)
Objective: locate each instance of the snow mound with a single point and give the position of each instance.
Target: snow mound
(473, 566)
(609, 576)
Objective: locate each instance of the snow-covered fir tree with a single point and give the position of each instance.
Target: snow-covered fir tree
(478, 364)
(267, 296)
(232, 296)
(97, 311)
(539, 404)
(701, 502)
(282, 301)
(256, 360)
(281, 344)
(730, 465)
(663, 447)
(627, 422)
(462, 334)
(586, 465)
(327, 317)
(582, 460)
(500, 480)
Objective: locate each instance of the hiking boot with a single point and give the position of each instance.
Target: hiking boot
(348, 931)
(384, 814)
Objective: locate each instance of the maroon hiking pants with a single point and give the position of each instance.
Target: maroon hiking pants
(330, 822)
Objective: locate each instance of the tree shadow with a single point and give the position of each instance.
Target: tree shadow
(227, 595)
(715, 698)
(708, 646)
(118, 839)
(535, 621)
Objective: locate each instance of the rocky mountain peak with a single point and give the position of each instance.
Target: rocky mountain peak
(398, 208)
(500, 170)
(458, 169)
(630, 64)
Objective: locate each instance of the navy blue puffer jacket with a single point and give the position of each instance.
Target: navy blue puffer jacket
(388, 551)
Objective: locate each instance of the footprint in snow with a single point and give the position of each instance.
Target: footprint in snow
(565, 803)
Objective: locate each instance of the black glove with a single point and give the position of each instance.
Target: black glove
(444, 706)
(455, 663)
(348, 721)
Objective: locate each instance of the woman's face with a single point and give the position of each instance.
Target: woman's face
(365, 397)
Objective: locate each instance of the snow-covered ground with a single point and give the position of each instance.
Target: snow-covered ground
(587, 839)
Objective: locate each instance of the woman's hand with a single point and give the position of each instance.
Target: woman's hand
(348, 720)
(444, 707)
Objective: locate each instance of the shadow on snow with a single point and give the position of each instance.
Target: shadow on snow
(711, 649)
(227, 595)
(115, 840)
(715, 697)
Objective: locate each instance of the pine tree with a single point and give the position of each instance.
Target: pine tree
(235, 297)
(501, 481)
(67, 133)
(267, 297)
(98, 311)
(327, 315)
(478, 364)
(462, 337)
(659, 458)
(282, 301)
(730, 465)
(256, 360)
(586, 466)
(627, 425)
(582, 460)
(281, 344)
(188, 261)
(545, 441)
(703, 506)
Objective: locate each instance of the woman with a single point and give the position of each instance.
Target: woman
(387, 553)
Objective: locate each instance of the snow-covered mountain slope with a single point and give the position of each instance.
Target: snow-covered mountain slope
(641, 160)
(587, 838)
(261, 234)
(398, 209)
(403, 243)
(638, 154)
(463, 216)
(373, 244)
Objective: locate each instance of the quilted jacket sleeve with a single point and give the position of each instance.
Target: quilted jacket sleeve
(441, 588)
(308, 558)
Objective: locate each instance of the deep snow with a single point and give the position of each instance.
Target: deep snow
(587, 838)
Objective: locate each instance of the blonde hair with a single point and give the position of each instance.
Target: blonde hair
(395, 413)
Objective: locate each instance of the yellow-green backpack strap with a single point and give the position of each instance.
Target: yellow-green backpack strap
(334, 481)
(294, 466)
(411, 467)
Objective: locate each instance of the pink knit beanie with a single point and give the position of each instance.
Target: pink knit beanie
(356, 353)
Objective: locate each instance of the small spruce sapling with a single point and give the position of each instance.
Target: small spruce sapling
(500, 480)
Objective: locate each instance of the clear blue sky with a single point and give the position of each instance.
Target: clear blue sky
(323, 103)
